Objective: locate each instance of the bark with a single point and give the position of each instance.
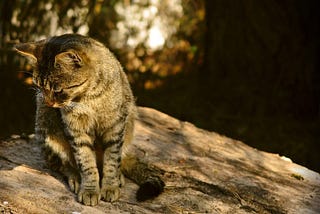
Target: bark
(204, 172)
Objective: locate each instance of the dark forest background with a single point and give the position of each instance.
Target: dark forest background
(247, 69)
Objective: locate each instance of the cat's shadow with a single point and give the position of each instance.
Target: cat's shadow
(20, 151)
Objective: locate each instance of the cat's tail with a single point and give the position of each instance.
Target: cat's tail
(147, 177)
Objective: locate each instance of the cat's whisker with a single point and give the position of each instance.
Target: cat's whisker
(34, 88)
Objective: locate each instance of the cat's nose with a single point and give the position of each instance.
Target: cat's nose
(49, 102)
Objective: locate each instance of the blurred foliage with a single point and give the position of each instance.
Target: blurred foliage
(246, 69)
(153, 39)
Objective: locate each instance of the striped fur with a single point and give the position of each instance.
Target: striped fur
(85, 112)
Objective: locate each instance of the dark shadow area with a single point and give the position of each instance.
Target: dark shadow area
(17, 105)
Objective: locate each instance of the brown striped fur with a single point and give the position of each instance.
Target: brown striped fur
(85, 112)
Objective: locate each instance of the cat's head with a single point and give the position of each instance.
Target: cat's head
(61, 67)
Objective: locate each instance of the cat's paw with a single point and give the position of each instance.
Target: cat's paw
(89, 197)
(110, 193)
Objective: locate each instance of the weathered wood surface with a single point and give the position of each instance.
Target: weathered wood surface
(204, 172)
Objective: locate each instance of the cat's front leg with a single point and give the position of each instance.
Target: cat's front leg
(112, 178)
(82, 145)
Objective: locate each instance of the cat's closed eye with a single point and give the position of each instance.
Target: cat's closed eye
(58, 92)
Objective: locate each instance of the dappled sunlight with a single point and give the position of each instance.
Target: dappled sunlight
(155, 38)
(52, 19)
(146, 22)
(149, 35)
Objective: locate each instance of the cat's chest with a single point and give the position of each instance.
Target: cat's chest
(86, 119)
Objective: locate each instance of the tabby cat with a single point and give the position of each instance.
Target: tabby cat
(85, 112)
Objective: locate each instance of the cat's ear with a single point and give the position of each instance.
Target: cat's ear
(27, 50)
(68, 58)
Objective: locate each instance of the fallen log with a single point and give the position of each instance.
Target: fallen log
(203, 172)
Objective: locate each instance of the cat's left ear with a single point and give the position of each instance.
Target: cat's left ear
(28, 50)
(68, 58)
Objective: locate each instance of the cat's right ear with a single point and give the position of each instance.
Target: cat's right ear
(27, 50)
